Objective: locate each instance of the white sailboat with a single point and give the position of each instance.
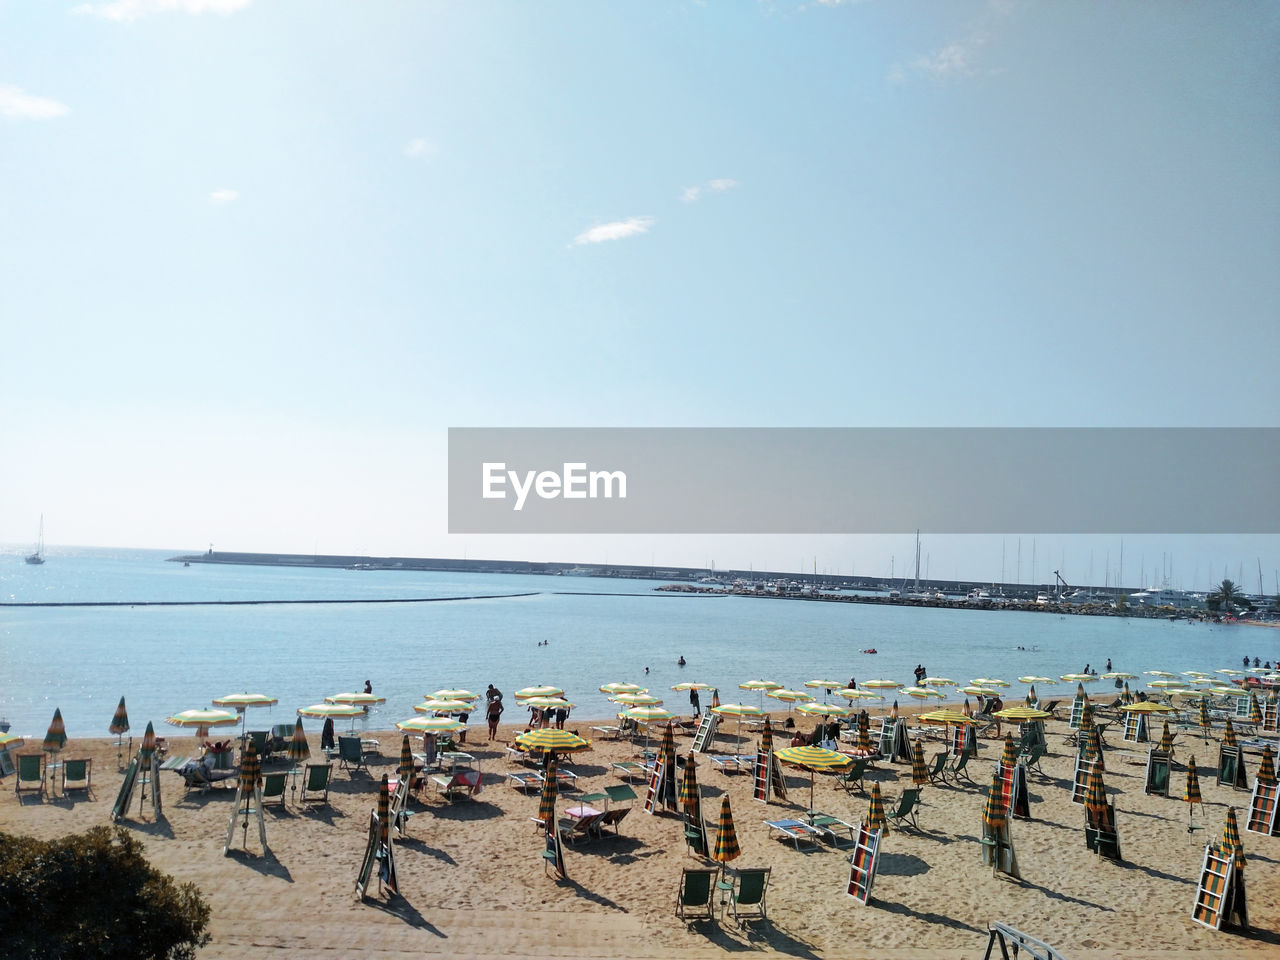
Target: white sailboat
(38, 556)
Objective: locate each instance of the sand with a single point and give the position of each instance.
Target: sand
(472, 880)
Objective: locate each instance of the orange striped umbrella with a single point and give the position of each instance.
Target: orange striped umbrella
(1086, 718)
(384, 812)
(120, 722)
(1231, 839)
(875, 810)
(726, 847)
(1203, 719)
(1255, 711)
(56, 738)
(766, 737)
(148, 747)
(547, 802)
(1266, 767)
(1010, 755)
(864, 732)
(919, 772)
(1192, 794)
(1095, 795)
(250, 768)
(1229, 734)
(994, 814)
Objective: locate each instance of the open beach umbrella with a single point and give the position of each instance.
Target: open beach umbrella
(240, 702)
(1196, 673)
(738, 710)
(11, 741)
(686, 687)
(1161, 673)
(813, 759)
(826, 686)
(1166, 740)
(542, 691)
(790, 696)
(550, 703)
(943, 717)
(1119, 675)
(202, 720)
(333, 710)
(851, 694)
(973, 691)
(1231, 839)
(647, 715)
(356, 699)
(1045, 681)
(1079, 677)
(429, 724)
(824, 709)
(994, 814)
(552, 740)
(1147, 706)
(923, 693)
(454, 695)
(989, 682)
(875, 810)
(636, 699)
(760, 686)
(1009, 756)
(550, 786)
(440, 705)
(1255, 711)
(919, 772)
(1191, 796)
(1167, 684)
(615, 688)
(1229, 734)
(882, 684)
(1266, 766)
(726, 845)
(1229, 672)
(937, 682)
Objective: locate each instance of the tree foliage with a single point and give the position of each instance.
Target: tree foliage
(94, 895)
(1226, 596)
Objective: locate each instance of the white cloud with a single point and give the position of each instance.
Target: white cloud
(17, 104)
(614, 231)
(224, 196)
(125, 10)
(721, 185)
(691, 194)
(420, 147)
(960, 58)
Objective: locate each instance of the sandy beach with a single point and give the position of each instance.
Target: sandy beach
(473, 884)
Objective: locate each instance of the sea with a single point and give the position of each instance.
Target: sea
(513, 631)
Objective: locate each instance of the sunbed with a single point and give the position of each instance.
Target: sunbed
(629, 768)
(832, 828)
(795, 831)
(524, 780)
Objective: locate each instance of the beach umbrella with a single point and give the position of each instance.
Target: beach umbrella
(250, 768)
(148, 747)
(919, 772)
(1009, 756)
(429, 724)
(1032, 699)
(56, 738)
(333, 710)
(966, 709)
(790, 696)
(863, 743)
(851, 694)
(824, 709)
(1166, 740)
(1147, 706)
(299, 750)
(1255, 711)
(1126, 696)
(202, 720)
(1203, 720)
(973, 691)
(1229, 734)
(689, 795)
(923, 693)
(240, 702)
(949, 716)
(11, 741)
(552, 740)
(1229, 672)
(814, 759)
(543, 691)
(882, 684)
(893, 711)
(766, 737)
(715, 696)
(119, 722)
(1095, 793)
(616, 688)
(547, 802)
(1079, 677)
(1160, 673)
(1045, 681)
(760, 686)
(1118, 675)
(679, 686)
(636, 699)
(1231, 840)
(1086, 718)
(875, 810)
(438, 705)
(738, 710)
(647, 715)
(826, 686)
(1166, 684)
(989, 682)
(550, 703)
(726, 845)
(1266, 766)
(1093, 745)
(937, 682)
(455, 695)
(384, 812)
(405, 769)
(994, 814)
(356, 699)
(1191, 795)
(667, 752)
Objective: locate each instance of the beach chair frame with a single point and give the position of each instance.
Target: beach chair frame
(747, 900)
(314, 782)
(1159, 767)
(25, 783)
(695, 900)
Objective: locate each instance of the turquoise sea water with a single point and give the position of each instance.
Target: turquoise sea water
(168, 659)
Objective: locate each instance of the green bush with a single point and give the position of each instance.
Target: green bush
(94, 895)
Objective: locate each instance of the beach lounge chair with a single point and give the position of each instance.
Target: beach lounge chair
(747, 899)
(273, 786)
(1033, 757)
(1052, 707)
(461, 786)
(574, 829)
(694, 899)
(198, 774)
(851, 779)
(259, 740)
(957, 768)
(76, 775)
(607, 733)
(906, 809)
(524, 780)
(351, 754)
(30, 775)
(629, 768)
(833, 829)
(938, 772)
(795, 831)
(315, 782)
(612, 817)
(620, 793)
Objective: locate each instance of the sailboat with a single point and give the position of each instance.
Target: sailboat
(38, 556)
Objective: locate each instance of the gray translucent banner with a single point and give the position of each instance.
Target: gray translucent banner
(837, 480)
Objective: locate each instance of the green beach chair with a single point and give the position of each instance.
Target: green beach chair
(315, 782)
(273, 785)
(957, 769)
(906, 809)
(76, 775)
(351, 754)
(748, 899)
(694, 899)
(30, 775)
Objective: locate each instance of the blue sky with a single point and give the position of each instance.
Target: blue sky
(257, 257)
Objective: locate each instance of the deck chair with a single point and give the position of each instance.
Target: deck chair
(851, 779)
(460, 786)
(1034, 755)
(199, 776)
(30, 775)
(76, 775)
(695, 836)
(1052, 707)
(315, 782)
(906, 810)
(747, 898)
(351, 754)
(273, 785)
(611, 818)
(259, 740)
(629, 768)
(833, 829)
(574, 829)
(525, 781)
(797, 831)
(957, 768)
(694, 899)
(938, 772)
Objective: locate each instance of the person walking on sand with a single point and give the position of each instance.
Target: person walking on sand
(695, 702)
(492, 712)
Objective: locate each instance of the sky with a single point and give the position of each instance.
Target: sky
(257, 256)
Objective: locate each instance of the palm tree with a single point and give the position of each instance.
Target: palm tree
(1226, 596)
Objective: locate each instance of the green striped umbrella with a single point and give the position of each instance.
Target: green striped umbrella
(919, 772)
(543, 691)
(250, 768)
(766, 737)
(148, 748)
(824, 709)
(550, 784)
(875, 810)
(453, 694)
(327, 710)
(668, 749)
(1231, 839)
(1192, 794)
(1255, 711)
(1203, 719)
(405, 770)
(864, 732)
(1086, 718)
(790, 696)
(726, 846)
(1031, 696)
(384, 812)
(994, 814)
(1266, 767)
(356, 699)
(56, 738)
(1080, 694)
(552, 740)
(893, 711)
(689, 790)
(439, 705)
(298, 748)
(1229, 734)
(1166, 740)
(1095, 794)
(120, 722)
(1126, 697)
(613, 689)
(1010, 755)
(814, 758)
(637, 699)
(429, 724)
(1093, 747)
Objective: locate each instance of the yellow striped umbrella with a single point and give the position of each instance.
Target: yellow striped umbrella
(615, 688)
(1086, 718)
(238, 701)
(893, 711)
(429, 724)
(543, 691)
(119, 722)
(547, 802)
(851, 694)
(864, 732)
(647, 714)
(1045, 681)
(1203, 720)
(790, 696)
(356, 699)
(1192, 793)
(989, 682)
(1161, 673)
(759, 685)
(202, 720)
(552, 740)
(1009, 756)
(148, 747)
(405, 770)
(437, 705)
(1266, 766)
(947, 716)
(250, 768)
(994, 814)
(966, 709)
(1229, 734)
(1120, 675)
(813, 759)
(637, 699)
(56, 738)
(384, 812)
(667, 752)
(1147, 706)
(551, 703)
(1095, 794)
(455, 695)
(689, 790)
(824, 709)
(882, 684)
(937, 682)
(726, 847)
(919, 772)
(875, 810)
(1093, 746)
(1166, 684)
(326, 710)
(298, 747)
(1255, 711)
(1031, 697)
(1166, 740)
(924, 693)
(1231, 843)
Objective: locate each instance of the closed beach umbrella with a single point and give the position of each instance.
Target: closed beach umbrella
(893, 711)
(966, 709)
(615, 688)
(919, 772)
(547, 802)
(553, 740)
(1086, 718)
(384, 812)
(1093, 746)
(1031, 697)
(875, 810)
(1203, 720)
(1266, 766)
(1231, 839)
(1126, 696)
(1255, 711)
(429, 724)
(668, 749)
(119, 722)
(202, 720)
(814, 758)
(726, 845)
(1229, 734)
(250, 768)
(1166, 740)
(1009, 756)
(994, 814)
(864, 732)
(405, 769)
(543, 691)
(148, 747)
(1095, 793)
(56, 738)
(299, 750)
(455, 694)
(1191, 796)
(766, 737)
